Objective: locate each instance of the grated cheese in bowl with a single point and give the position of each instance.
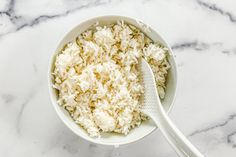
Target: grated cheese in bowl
(97, 78)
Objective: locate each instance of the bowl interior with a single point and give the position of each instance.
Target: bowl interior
(112, 138)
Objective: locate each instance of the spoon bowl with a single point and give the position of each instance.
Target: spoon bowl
(152, 106)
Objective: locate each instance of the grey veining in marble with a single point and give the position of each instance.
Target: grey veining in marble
(217, 9)
(193, 45)
(19, 21)
(202, 34)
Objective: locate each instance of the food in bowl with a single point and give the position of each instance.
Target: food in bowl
(97, 78)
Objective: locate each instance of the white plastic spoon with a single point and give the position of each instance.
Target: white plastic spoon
(153, 108)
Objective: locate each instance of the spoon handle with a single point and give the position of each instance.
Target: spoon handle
(174, 136)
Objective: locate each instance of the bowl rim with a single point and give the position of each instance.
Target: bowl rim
(49, 75)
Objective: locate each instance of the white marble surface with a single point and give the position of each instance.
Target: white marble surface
(202, 34)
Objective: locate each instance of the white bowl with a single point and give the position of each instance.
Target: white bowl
(112, 138)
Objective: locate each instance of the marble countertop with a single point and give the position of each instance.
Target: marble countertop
(202, 34)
